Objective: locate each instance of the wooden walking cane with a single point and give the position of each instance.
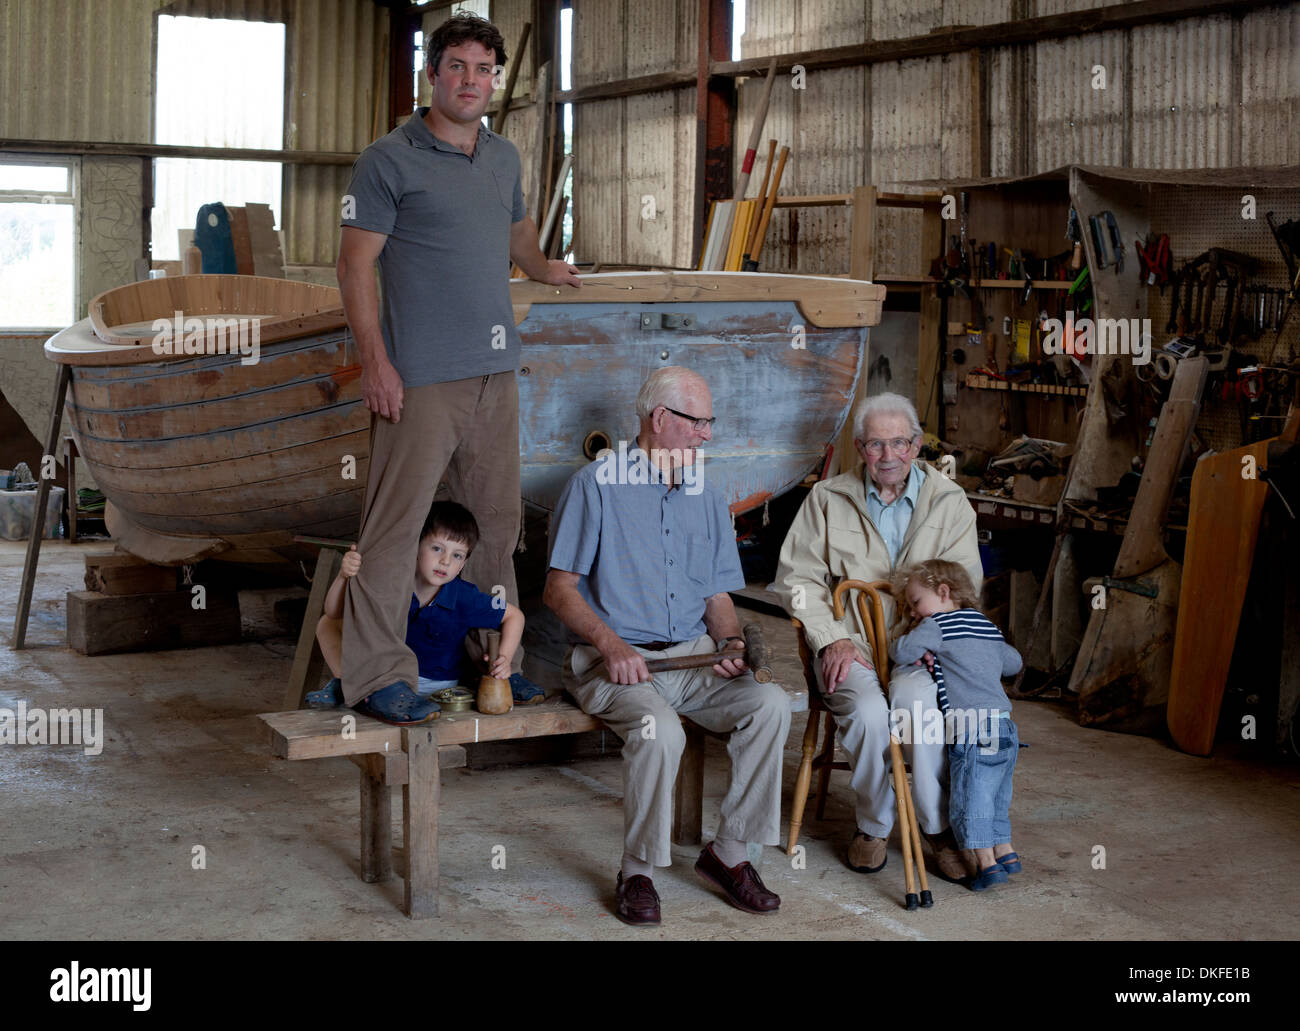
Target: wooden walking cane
(873, 622)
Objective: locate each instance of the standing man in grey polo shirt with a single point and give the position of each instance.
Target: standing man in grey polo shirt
(642, 557)
(438, 205)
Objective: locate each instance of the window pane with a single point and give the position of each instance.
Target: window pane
(36, 263)
(34, 178)
(247, 111)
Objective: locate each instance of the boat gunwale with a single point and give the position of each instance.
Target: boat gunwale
(824, 301)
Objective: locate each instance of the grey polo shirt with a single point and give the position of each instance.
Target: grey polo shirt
(649, 556)
(445, 268)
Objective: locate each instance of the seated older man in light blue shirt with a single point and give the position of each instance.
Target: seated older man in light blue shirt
(642, 557)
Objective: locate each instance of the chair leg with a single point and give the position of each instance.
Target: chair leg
(824, 761)
(802, 782)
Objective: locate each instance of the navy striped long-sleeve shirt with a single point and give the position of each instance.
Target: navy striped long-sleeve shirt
(973, 654)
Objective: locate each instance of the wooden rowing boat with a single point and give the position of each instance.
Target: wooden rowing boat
(214, 454)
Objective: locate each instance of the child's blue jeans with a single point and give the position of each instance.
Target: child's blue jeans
(979, 784)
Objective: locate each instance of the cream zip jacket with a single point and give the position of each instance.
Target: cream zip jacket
(832, 539)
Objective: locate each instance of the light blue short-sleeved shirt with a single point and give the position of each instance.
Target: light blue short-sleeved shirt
(649, 556)
(893, 519)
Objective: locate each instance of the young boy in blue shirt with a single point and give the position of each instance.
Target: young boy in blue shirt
(443, 609)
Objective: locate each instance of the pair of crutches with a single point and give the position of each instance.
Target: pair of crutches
(873, 623)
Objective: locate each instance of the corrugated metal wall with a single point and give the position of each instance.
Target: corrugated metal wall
(629, 149)
(334, 53)
(71, 70)
(1202, 92)
(1207, 91)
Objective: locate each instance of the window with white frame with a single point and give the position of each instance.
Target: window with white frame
(38, 243)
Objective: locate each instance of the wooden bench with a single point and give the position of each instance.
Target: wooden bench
(391, 756)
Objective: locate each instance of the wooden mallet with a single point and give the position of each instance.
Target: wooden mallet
(494, 697)
(756, 656)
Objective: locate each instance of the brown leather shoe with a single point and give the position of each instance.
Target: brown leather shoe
(951, 861)
(867, 854)
(636, 902)
(741, 884)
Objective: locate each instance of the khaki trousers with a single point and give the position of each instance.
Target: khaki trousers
(468, 431)
(645, 716)
(862, 718)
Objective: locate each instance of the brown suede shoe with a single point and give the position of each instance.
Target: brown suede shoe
(741, 884)
(867, 854)
(951, 861)
(636, 902)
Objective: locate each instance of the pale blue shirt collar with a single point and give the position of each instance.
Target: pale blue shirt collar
(892, 520)
(913, 490)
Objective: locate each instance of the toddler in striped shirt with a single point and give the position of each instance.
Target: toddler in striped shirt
(968, 658)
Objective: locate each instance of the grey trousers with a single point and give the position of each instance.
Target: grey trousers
(863, 721)
(468, 431)
(645, 716)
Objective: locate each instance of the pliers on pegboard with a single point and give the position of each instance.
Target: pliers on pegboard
(1155, 260)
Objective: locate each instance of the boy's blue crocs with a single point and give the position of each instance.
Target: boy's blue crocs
(399, 705)
(1010, 862)
(988, 877)
(524, 691)
(328, 697)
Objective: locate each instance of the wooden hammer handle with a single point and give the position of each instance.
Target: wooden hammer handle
(755, 655)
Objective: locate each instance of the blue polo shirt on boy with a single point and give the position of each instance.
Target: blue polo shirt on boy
(436, 632)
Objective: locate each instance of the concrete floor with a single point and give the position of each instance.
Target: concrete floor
(99, 847)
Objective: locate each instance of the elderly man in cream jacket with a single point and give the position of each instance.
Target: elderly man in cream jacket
(889, 512)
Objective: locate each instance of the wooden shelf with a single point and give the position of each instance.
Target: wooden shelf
(979, 382)
(1019, 284)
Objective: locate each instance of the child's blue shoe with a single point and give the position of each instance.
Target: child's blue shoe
(524, 691)
(399, 705)
(328, 697)
(988, 877)
(1010, 862)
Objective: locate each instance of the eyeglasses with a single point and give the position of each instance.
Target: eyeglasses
(876, 448)
(699, 425)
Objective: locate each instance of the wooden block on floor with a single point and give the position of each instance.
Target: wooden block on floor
(99, 624)
(117, 574)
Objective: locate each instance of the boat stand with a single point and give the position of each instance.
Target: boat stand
(38, 517)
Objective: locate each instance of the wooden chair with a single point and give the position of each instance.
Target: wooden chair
(873, 623)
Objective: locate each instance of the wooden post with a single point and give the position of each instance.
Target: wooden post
(376, 829)
(38, 517)
(308, 660)
(862, 265)
(688, 791)
(715, 112)
(929, 392)
(420, 821)
(69, 454)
